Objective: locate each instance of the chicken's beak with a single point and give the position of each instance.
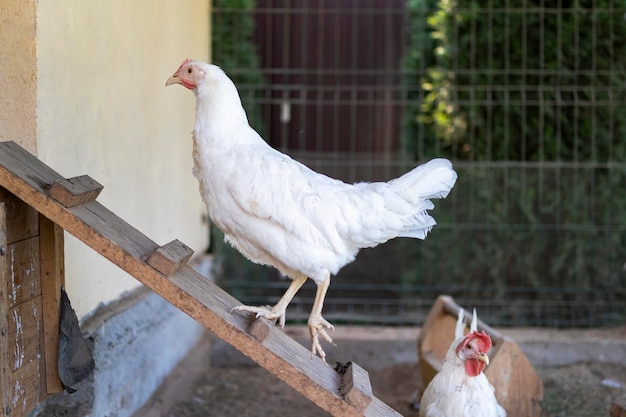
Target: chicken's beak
(483, 357)
(173, 80)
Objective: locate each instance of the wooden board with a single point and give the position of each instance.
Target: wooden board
(29, 179)
(52, 273)
(21, 310)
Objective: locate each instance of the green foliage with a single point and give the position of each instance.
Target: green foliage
(497, 81)
(232, 47)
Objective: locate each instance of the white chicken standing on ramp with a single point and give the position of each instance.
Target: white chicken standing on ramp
(278, 212)
(460, 388)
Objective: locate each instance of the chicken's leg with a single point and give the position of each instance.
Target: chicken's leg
(279, 310)
(317, 324)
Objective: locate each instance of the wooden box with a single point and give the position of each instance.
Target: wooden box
(517, 386)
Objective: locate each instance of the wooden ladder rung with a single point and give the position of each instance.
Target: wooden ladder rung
(259, 327)
(355, 386)
(75, 191)
(169, 258)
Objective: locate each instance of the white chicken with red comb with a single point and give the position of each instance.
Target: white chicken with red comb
(278, 212)
(460, 388)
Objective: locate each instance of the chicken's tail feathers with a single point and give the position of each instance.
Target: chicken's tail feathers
(433, 179)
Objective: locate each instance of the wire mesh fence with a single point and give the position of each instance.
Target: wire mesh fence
(527, 98)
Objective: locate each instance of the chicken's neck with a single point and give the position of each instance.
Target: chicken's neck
(219, 109)
(471, 367)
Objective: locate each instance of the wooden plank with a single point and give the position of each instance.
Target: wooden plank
(5, 370)
(27, 178)
(23, 283)
(167, 259)
(518, 388)
(24, 329)
(24, 390)
(52, 280)
(22, 220)
(75, 191)
(25, 337)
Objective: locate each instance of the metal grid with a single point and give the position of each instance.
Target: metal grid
(534, 93)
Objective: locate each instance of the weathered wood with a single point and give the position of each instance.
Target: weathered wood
(21, 219)
(24, 282)
(259, 328)
(52, 273)
(24, 390)
(356, 387)
(617, 410)
(28, 178)
(5, 362)
(167, 259)
(75, 191)
(517, 386)
(24, 331)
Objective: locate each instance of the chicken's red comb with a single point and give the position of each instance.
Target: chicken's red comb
(483, 341)
(186, 61)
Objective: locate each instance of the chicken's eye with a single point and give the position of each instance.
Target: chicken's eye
(189, 70)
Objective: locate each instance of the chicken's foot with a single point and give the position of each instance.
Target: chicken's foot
(318, 325)
(279, 310)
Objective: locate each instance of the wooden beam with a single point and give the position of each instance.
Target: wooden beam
(75, 191)
(52, 279)
(28, 178)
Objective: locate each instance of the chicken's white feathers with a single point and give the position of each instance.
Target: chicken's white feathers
(459, 330)
(276, 211)
(474, 324)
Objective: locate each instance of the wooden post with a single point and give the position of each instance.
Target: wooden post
(31, 275)
(52, 280)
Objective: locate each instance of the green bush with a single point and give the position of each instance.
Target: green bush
(493, 85)
(498, 81)
(233, 49)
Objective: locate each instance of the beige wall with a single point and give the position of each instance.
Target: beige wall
(18, 76)
(103, 110)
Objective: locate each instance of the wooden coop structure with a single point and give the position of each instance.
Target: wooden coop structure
(517, 386)
(37, 204)
(31, 263)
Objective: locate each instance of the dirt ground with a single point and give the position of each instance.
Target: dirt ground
(583, 373)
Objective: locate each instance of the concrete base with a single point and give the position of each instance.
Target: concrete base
(136, 343)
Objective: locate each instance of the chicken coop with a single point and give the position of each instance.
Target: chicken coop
(526, 99)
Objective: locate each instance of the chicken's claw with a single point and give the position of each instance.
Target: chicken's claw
(317, 327)
(265, 312)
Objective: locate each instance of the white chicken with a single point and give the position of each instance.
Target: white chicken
(460, 388)
(278, 212)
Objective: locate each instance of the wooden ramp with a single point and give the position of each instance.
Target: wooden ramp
(70, 203)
